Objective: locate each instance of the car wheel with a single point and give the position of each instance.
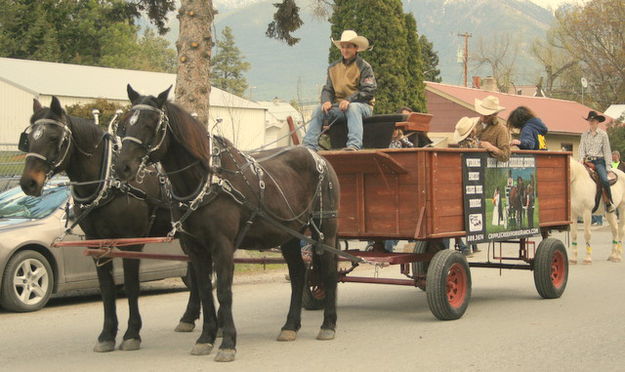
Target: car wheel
(27, 282)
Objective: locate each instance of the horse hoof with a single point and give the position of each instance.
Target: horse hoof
(184, 327)
(130, 344)
(587, 261)
(326, 334)
(287, 335)
(225, 355)
(573, 262)
(202, 349)
(104, 346)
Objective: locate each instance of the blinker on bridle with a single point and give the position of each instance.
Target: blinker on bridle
(24, 144)
(161, 126)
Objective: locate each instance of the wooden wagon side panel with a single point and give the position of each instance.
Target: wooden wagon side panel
(553, 188)
(445, 212)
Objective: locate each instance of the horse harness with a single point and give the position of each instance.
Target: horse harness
(213, 185)
(108, 184)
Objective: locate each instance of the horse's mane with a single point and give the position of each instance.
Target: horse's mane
(191, 134)
(576, 167)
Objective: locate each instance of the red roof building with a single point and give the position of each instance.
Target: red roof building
(448, 103)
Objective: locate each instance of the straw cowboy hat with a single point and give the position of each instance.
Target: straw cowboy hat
(349, 36)
(488, 106)
(464, 128)
(592, 115)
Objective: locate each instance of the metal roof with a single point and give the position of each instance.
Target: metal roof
(81, 81)
(560, 116)
(615, 111)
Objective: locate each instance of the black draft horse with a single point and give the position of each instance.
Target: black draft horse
(228, 199)
(56, 142)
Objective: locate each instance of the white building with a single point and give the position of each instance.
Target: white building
(276, 127)
(23, 80)
(616, 112)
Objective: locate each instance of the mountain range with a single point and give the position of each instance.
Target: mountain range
(298, 72)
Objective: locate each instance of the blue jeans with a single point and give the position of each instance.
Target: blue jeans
(354, 114)
(603, 176)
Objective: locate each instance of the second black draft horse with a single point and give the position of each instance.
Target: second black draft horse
(229, 199)
(57, 142)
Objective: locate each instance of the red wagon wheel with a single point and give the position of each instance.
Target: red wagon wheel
(448, 285)
(551, 268)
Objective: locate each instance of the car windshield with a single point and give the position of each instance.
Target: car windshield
(15, 204)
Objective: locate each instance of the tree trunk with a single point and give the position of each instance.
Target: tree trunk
(194, 46)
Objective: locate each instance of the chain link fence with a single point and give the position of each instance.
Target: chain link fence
(11, 165)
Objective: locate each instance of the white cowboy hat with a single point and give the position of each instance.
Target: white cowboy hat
(488, 105)
(464, 127)
(349, 36)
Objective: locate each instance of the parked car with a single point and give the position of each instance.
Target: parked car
(31, 270)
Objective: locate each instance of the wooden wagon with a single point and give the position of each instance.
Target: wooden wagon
(418, 195)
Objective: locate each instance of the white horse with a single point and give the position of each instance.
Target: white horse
(583, 191)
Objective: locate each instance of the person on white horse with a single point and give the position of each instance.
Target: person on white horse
(594, 147)
(583, 199)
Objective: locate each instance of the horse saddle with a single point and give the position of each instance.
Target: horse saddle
(612, 178)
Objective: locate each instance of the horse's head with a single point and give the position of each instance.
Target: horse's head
(46, 142)
(144, 132)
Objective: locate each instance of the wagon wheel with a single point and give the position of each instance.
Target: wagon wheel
(314, 294)
(420, 269)
(448, 285)
(551, 268)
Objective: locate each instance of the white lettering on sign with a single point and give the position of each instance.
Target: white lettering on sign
(474, 162)
(474, 176)
(475, 203)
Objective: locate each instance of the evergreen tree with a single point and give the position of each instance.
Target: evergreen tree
(430, 61)
(384, 24)
(228, 65)
(415, 92)
(92, 32)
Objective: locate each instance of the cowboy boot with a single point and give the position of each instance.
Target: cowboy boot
(588, 258)
(614, 252)
(573, 257)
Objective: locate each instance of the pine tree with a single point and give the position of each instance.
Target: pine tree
(389, 56)
(430, 61)
(228, 65)
(415, 92)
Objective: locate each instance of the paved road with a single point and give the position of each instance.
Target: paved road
(507, 327)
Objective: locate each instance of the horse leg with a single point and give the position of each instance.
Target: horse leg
(611, 217)
(573, 257)
(327, 264)
(132, 340)
(106, 339)
(192, 312)
(587, 221)
(617, 249)
(223, 254)
(203, 269)
(292, 253)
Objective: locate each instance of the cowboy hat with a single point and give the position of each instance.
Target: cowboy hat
(488, 106)
(464, 127)
(349, 36)
(592, 115)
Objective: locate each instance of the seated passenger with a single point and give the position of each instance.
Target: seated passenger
(349, 91)
(465, 134)
(533, 130)
(492, 135)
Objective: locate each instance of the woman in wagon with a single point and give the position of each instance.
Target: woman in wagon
(492, 135)
(532, 129)
(594, 147)
(349, 91)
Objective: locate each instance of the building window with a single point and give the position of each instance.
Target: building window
(566, 146)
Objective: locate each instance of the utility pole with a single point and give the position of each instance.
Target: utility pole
(465, 58)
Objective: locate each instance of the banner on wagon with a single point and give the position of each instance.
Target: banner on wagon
(500, 200)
